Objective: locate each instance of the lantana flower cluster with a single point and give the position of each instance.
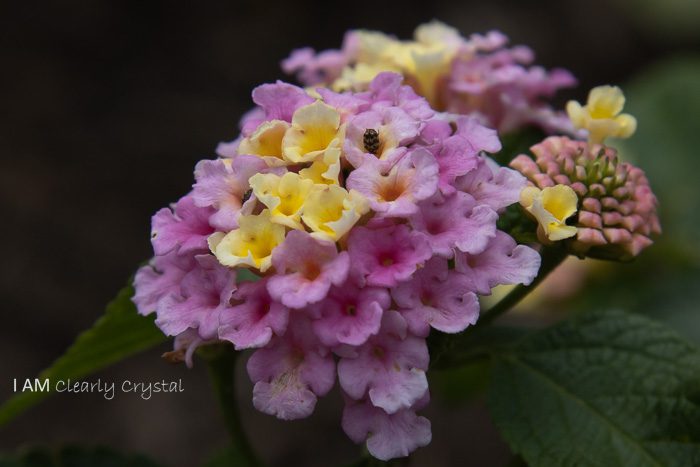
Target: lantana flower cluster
(478, 75)
(581, 192)
(366, 219)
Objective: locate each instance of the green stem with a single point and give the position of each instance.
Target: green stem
(551, 258)
(222, 365)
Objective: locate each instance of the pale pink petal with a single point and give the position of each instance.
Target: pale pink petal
(387, 436)
(349, 314)
(184, 228)
(389, 368)
(385, 256)
(160, 277)
(255, 318)
(305, 269)
(502, 262)
(291, 373)
(455, 222)
(437, 297)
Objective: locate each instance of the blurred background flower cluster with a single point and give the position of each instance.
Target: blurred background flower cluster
(108, 105)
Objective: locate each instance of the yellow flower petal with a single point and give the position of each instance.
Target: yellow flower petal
(605, 101)
(251, 244)
(556, 231)
(357, 78)
(561, 201)
(374, 47)
(577, 114)
(551, 207)
(601, 115)
(330, 211)
(428, 68)
(284, 196)
(626, 126)
(266, 142)
(423, 61)
(438, 34)
(324, 170)
(528, 195)
(314, 128)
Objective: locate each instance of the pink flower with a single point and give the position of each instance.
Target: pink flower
(436, 130)
(457, 154)
(325, 67)
(455, 222)
(160, 277)
(222, 184)
(387, 89)
(291, 372)
(278, 101)
(305, 269)
(389, 368)
(492, 185)
(349, 314)
(203, 291)
(184, 228)
(479, 137)
(255, 318)
(347, 103)
(385, 256)
(388, 436)
(394, 130)
(395, 192)
(499, 88)
(437, 297)
(502, 262)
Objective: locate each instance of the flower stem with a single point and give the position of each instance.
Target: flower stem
(551, 258)
(222, 365)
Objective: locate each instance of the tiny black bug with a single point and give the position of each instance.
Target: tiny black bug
(246, 196)
(371, 140)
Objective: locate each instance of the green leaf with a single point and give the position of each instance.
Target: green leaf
(459, 363)
(474, 344)
(74, 456)
(119, 333)
(603, 389)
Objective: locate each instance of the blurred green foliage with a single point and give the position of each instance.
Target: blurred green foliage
(666, 102)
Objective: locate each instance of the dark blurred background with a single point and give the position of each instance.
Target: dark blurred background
(105, 108)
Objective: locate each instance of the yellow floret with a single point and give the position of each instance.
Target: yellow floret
(315, 128)
(330, 211)
(601, 115)
(551, 207)
(266, 142)
(251, 244)
(284, 196)
(424, 61)
(324, 170)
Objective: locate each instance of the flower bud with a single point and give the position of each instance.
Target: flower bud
(616, 208)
